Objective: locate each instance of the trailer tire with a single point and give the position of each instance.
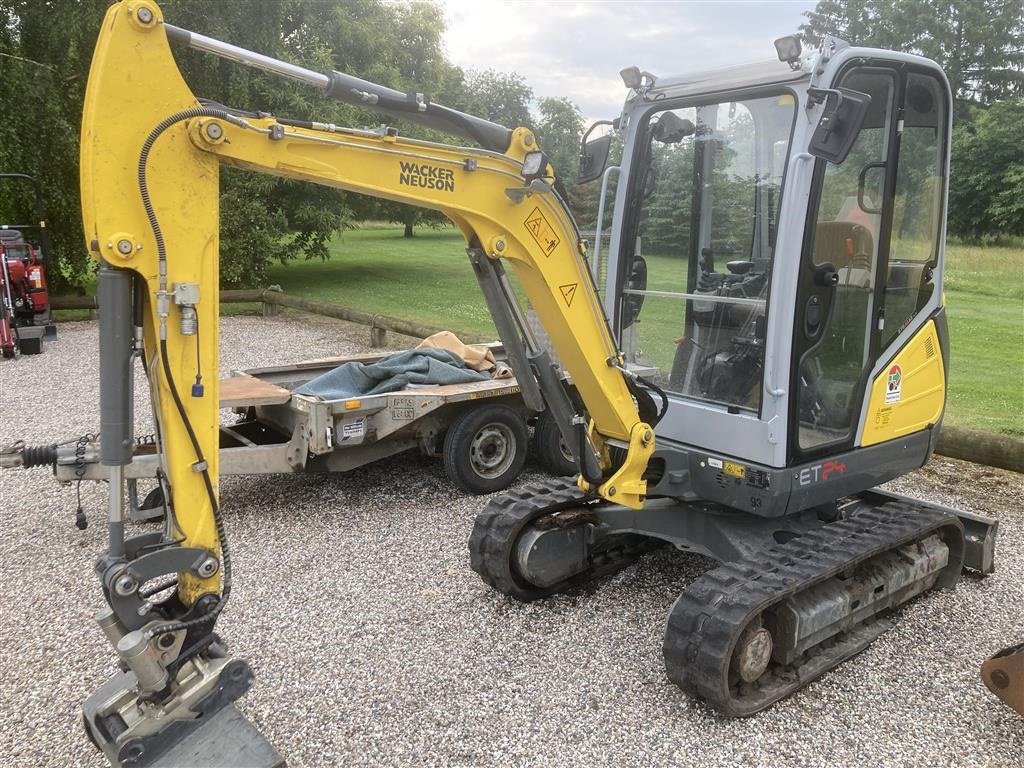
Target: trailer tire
(550, 450)
(485, 448)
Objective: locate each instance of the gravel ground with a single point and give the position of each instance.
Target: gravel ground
(374, 644)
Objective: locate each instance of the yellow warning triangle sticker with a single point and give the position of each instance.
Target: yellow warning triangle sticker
(568, 291)
(535, 225)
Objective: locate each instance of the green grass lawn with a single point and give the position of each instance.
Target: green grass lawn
(985, 302)
(428, 279)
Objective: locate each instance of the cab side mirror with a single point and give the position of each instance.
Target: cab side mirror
(593, 158)
(840, 123)
(594, 152)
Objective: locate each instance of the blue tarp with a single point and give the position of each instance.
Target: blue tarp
(390, 374)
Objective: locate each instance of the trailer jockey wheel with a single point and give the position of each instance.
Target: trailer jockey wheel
(550, 450)
(485, 448)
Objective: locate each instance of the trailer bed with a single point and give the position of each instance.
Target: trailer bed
(277, 430)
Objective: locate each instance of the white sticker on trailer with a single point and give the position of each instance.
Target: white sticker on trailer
(353, 429)
(716, 463)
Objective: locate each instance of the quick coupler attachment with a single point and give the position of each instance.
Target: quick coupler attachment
(159, 713)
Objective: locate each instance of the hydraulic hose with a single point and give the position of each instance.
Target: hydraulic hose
(201, 462)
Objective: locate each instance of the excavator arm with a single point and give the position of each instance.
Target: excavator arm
(150, 158)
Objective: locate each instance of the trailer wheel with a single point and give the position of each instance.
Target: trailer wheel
(550, 449)
(485, 448)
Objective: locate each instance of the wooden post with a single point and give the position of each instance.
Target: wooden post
(270, 310)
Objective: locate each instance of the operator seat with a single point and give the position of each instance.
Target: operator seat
(832, 368)
(845, 244)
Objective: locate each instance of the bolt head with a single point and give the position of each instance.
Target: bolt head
(500, 245)
(145, 15)
(611, 491)
(125, 585)
(1000, 679)
(208, 567)
(528, 141)
(124, 246)
(214, 131)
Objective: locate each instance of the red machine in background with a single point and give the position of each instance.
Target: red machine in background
(24, 301)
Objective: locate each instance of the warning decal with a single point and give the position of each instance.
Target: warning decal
(568, 291)
(734, 470)
(882, 417)
(542, 231)
(894, 386)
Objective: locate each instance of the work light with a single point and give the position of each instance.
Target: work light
(788, 48)
(534, 165)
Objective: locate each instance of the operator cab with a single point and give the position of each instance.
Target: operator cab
(761, 285)
(705, 215)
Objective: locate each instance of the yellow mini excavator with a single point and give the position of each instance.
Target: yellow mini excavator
(770, 346)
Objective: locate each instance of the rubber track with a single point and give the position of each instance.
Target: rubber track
(709, 616)
(499, 525)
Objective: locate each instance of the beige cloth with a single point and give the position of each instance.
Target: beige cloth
(477, 357)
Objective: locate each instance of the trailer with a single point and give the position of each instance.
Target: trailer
(479, 429)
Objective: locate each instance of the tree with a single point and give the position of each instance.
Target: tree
(666, 212)
(264, 219)
(45, 52)
(501, 97)
(988, 196)
(979, 43)
(558, 131)
(409, 57)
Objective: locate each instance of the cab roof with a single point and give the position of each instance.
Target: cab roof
(764, 72)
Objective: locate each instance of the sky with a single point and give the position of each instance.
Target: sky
(576, 49)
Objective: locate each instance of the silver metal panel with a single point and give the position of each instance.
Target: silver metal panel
(742, 435)
(765, 72)
(699, 297)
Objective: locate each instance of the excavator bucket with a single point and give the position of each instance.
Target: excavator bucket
(1004, 676)
(219, 737)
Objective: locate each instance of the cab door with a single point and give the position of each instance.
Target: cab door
(870, 253)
